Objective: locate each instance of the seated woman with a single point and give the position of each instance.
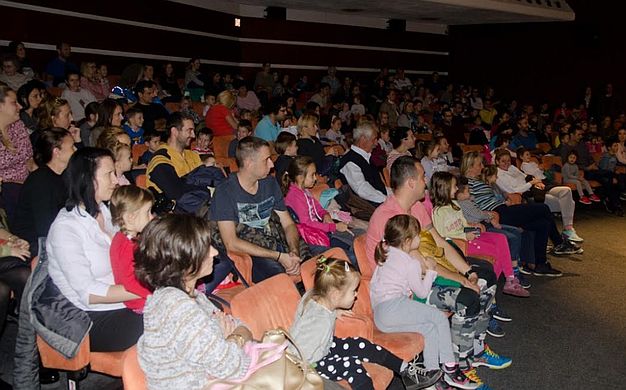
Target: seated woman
(78, 252)
(187, 341)
(402, 140)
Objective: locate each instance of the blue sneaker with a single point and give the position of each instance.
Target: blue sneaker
(494, 329)
(488, 358)
(499, 314)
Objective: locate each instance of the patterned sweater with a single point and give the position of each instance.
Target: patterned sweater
(183, 345)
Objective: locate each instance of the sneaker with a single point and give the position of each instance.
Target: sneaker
(494, 329)
(571, 235)
(525, 270)
(549, 248)
(546, 270)
(522, 279)
(512, 287)
(595, 198)
(416, 376)
(622, 196)
(584, 200)
(488, 358)
(499, 314)
(566, 248)
(459, 380)
(473, 376)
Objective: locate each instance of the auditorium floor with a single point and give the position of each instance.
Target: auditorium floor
(570, 334)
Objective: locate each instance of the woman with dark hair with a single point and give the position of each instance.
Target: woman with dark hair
(402, 140)
(29, 96)
(187, 340)
(169, 84)
(110, 113)
(78, 246)
(24, 65)
(43, 193)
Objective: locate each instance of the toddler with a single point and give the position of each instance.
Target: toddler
(244, 129)
(153, 141)
(572, 175)
(133, 125)
(204, 143)
(287, 148)
(123, 163)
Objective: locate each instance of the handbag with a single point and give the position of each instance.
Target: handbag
(313, 236)
(273, 367)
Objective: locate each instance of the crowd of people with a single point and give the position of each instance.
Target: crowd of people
(445, 181)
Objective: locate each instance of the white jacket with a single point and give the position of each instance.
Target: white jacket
(512, 180)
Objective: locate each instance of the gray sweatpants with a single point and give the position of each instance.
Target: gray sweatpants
(406, 315)
(559, 199)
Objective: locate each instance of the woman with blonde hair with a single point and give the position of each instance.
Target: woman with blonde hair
(220, 118)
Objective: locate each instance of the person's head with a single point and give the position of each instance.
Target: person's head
(227, 99)
(286, 144)
(489, 174)
(185, 103)
(88, 69)
(253, 156)
(54, 145)
(402, 138)
(612, 145)
(17, 48)
(173, 250)
(384, 133)
(443, 189)
(522, 124)
(193, 64)
(111, 136)
(209, 99)
(307, 125)
(144, 89)
(168, 69)
(10, 65)
(242, 90)
(365, 135)
(524, 154)
(462, 192)
(324, 89)
(578, 135)
(153, 140)
(64, 50)
(383, 118)
(91, 112)
(312, 108)
(148, 72)
(503, 159)
(245, 115)
(110, 113)
(9, 107)
(204, 139)
(131, 208)
(180, 130)
(278, 109)
(301, 172)
(103, 70)
(572, 157)
(90, 179)
(402, 232)
(565, 138)
(123, 158)
(432, 150)
(335, 283)
(407, 176)
(335, 124)
(135, 117)
(472, 164)
(503, 141)
(621, 136)
(55, 112)
(244, 129)
(29, 95)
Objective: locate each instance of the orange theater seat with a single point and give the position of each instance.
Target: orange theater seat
(137, 151)
(220, 145)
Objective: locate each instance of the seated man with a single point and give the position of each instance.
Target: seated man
(524, 137)
(356, 170)
(268, 128)
(252, 217)
(146, 91)
(77, 97)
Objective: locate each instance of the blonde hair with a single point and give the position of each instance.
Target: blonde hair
(398, 230)
(108, 138)
(128, 199)
(469, 159)
(49, 108)
(306, 120)
(227, 99)
(487, 172)
(118, 148)
(332, 274)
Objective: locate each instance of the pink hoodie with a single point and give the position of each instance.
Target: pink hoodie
(308, 209)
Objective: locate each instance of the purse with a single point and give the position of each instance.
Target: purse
(273, 367)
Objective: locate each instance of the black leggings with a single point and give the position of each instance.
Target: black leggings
(13, 275)
(114, 330)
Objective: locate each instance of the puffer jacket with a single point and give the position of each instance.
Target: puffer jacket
(44, 311)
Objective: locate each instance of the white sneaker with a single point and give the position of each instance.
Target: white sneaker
(571, 235)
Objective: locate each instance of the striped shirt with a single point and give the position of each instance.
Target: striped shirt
(472, 213)
(484, 195)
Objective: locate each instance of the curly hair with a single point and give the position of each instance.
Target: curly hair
(171, 249)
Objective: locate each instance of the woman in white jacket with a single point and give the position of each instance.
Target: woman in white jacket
(559, 198)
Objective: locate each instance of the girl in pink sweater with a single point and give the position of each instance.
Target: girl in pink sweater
(315, 224)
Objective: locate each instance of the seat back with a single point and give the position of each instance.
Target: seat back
(308, 268)
(220, 145)
(361, 257)
(267, 305)
(137, 151)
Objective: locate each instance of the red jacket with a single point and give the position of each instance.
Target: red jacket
(123, 266)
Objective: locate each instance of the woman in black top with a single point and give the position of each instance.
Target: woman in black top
(310, 145)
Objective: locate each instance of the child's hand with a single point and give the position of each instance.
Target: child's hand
(470, 236)
(20, 252)
(341, 226)
(227, 323)
(430, 263)
(471, 285)
(344, 313)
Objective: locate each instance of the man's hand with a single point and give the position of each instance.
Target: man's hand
(291, 262)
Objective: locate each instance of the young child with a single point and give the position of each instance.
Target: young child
(130, 211)
(310, 145)
(296, 183)
(431, 161)
(529, 166)
(123, 163)
(153, 141)
(357, 109)
(502, 142)
(244, 129)
(334, 135)
(133, 125)
(204, 143)
(332, 296)
(287, 148)
(450, 223)
(186, 107)
(209, 101)
(489, 175)
(572, 175)
(382, 148)
(345, 114)
(401, 273)
(91, 117)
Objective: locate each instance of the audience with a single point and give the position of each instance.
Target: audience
(152, 112)
(268, 128)
(77, 97)
(220, 117)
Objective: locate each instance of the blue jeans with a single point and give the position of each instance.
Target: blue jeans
(513, 236)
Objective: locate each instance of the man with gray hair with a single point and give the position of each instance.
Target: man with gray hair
(356, 170)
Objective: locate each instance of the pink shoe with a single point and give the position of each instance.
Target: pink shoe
(584, 200)
(594, 198)
(512, 287)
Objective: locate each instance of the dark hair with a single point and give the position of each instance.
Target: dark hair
(13, 46)
(247, 147)
(462, 183)
(297, 167)
(310, 107)
(283, 141)
(275, 106)
(171, 248)
(398, 229)
(245, 123)
(70, 71)
(440, 190)
(80, 177)
(500, 153)
(397, 135)
(205, 131)
(401, 170)
(91, 108)
(47, 141)
(133, 111)
(176, 120)
(502, 138)
(149, 136)
(24, 91)
(141, 85)
(105, 112)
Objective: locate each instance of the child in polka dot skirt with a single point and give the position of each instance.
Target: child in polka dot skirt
(336, 284)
